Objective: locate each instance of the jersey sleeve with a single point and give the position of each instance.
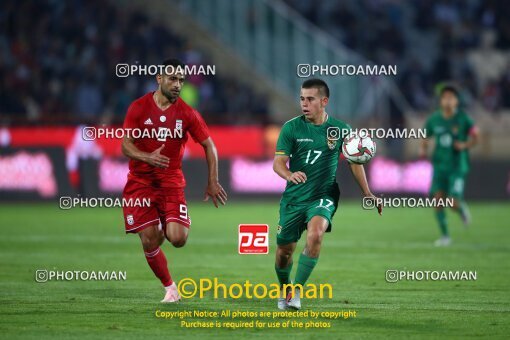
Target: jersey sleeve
(470, 125)
(198, 128)
(429, 131)
(132, 117)
(284, 145)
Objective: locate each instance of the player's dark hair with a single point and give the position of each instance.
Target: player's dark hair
(449, 88)
(173, 62)
(318, 84)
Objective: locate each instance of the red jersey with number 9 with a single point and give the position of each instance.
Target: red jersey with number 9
(157, 127)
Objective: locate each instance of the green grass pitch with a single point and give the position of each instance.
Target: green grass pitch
(354, 259)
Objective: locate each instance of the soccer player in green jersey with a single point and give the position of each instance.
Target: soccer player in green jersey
(311, 144)
(454, 134)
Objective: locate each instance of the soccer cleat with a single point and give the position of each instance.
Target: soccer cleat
(172, 295)
(444, 241)
(282, 304)
(282, 301)
(294, 302)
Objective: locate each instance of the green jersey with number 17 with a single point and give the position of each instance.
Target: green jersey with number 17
(314, 150)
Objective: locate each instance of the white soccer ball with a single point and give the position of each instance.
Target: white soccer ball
(358, 150)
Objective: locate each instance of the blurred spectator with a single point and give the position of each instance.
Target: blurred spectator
(504, 85)
(431, 41)
(89, 102)
(488, 62)
(57, 65)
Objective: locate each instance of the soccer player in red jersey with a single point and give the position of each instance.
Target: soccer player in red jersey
(155, 169)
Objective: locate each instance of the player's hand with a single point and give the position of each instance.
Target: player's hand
(378, 202)
(460, 146)
(216, 192)
(297, 177)
(423, 153)
(155, 158)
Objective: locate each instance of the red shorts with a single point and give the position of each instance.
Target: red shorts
(166, 205)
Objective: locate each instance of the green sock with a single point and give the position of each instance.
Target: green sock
(304, 269)
(283, 274)
(441, 219)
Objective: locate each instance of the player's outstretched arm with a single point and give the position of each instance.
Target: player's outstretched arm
(424, 147)
(214, 189)
(154, 158)
(472, 140)
(280, 167)
(358, 171)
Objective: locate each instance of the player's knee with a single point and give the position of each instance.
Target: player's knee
(455, 203)
(439, 195)
(314, 238)
(150, 242)
(178, 242)
(284, 254)
(161, 237)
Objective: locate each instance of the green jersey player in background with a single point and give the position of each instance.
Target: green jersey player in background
(311, 144)
(454, 134)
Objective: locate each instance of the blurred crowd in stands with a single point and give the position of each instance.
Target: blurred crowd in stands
(58, 58)
(430, 41)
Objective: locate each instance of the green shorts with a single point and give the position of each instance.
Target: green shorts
(451, 183)
(294, 218)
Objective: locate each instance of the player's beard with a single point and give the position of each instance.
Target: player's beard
(170, 95)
